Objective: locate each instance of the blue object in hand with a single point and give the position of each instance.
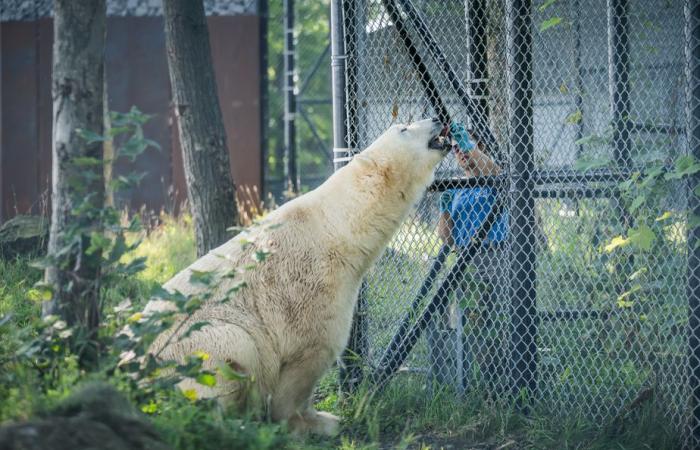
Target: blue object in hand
(461, 135)
(446, 201)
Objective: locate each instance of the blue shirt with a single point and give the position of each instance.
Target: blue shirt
(468, 209)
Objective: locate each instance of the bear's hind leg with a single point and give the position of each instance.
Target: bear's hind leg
(291, 400)
(229, 345)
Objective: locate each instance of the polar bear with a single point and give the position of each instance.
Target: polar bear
(292, 318)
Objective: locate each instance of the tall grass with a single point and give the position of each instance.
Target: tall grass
(409, 413)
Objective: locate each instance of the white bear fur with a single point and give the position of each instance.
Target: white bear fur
(293, 318)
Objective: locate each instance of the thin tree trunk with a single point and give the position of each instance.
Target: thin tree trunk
(210, 188)
(107, 148)
(77, 89)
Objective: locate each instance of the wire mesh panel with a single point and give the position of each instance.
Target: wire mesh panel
(574, 181)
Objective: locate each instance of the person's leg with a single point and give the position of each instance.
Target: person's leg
(484, 324)
(444, 339)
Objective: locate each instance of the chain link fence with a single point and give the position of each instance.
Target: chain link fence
(310, 114)
(551, 262)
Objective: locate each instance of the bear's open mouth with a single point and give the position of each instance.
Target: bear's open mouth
(442, 141)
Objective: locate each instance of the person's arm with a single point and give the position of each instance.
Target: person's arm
(481, 164)
(445, 223)
(444, 228)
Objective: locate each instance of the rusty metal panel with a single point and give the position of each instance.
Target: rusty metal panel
(236, 55)
(137, 74)
(19, 115)
(44, 115)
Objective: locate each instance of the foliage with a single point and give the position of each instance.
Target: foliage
(39, 359)
(409, 413)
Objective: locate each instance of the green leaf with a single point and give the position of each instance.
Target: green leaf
(90, 136)
(637, 202)
(592, 139)
(643, 237)
(546, 5)
(206, 379)
(624, 301)
(693, 221)
(260, 255)
(638, 273)
(192, 304)
(151, 143)
(227, 373)
(665, 216)
(235, 288)
(584, 164)
(86, 161)
(127, 181)
(116, 131)
(194, 327)
(574, 118)
(651, 176)
(565, 375)
(149, 408)
(190, 394)
(617, 241)
(98, 242)
(40, 293)
(132, 148)
(163, 294)
(685, 166)
(549, 23)
(41, 263)
(201, 277)
(135, 266)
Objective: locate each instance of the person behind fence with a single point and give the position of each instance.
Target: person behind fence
(483, 292)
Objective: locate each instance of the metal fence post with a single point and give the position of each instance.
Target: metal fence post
(342, 14)
(523, 288)
(692, 72)
(578, 77)
(290, 101)
(618, 75)
(264, 15)
(476, 19)
(340, 147)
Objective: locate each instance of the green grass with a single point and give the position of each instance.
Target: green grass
(169, 247)
(408, 414)
(17, 399)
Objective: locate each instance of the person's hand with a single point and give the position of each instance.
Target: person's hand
(461, 136)
(469, 155)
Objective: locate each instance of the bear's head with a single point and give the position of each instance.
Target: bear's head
(415, 149)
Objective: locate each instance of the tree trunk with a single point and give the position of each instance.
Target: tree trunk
(77, 89)
(210, 188)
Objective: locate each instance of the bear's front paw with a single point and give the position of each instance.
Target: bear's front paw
(325, 424)
(312, 421)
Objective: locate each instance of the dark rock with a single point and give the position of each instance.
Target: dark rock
(95, 417)
(23, 235)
